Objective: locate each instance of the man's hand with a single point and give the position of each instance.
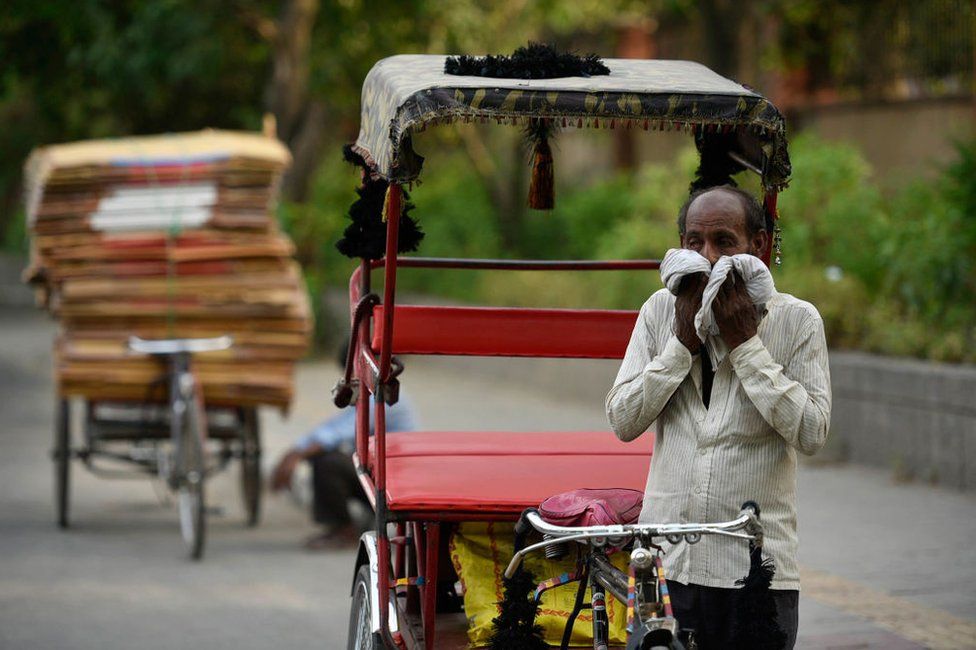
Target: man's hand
(735, 314)
(283, 471)
(686, 305)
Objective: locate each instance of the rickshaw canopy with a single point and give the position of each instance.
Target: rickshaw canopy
(404, 94)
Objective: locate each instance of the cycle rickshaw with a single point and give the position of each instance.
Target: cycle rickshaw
(423, 485)
(181, 310)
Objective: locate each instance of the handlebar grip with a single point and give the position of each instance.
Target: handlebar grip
(523, 528)
(751, 504)
(342, 394)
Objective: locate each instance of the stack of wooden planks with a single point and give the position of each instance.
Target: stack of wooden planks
(161, 237)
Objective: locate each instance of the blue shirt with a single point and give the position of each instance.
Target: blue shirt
(339, 431)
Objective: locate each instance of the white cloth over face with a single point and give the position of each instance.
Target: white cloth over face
(679, 262)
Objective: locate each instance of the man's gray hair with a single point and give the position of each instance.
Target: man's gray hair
(755, 216)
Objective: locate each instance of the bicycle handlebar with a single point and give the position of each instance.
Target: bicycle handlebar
(618, 534)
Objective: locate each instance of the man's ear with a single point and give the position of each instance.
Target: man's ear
(759, 243)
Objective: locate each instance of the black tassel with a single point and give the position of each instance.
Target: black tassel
(365, 237)
(542, 186)
(755, 625)
(515, 628)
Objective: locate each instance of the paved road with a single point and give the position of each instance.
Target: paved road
(885, 566)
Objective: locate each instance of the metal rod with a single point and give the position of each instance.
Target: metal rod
(583, 533)
(358, 287)
(429, 591)
(389, 287)
(612, 579)
(365, 480)
(657, 530)
(522, 265)
(739, 158)
(399, 557)
(379, 477)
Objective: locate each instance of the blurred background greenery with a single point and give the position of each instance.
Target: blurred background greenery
(879, 223)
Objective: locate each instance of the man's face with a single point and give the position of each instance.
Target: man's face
(715, 225)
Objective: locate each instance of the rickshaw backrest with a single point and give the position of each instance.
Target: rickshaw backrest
(506, 331)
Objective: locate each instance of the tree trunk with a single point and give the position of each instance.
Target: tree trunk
(300, 121)
(634, 41)
(505, 184)
(721, 20)
(306, 151)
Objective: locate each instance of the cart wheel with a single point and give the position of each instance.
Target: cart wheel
(190, 490)
(62, 461)
(361, 636)
(251, 465)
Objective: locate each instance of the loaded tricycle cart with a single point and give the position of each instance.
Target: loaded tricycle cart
(426, 486)
(180, 308)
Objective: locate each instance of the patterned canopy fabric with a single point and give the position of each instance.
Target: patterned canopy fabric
(406, 93)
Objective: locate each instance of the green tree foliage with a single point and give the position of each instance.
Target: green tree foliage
(868, 47)
(92, 68)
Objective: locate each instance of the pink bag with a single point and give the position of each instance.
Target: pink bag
(592, 507)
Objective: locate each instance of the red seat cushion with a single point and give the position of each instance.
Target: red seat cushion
(503, 472)
(507, 331)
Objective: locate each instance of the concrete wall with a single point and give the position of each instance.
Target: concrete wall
(916, 418)
(901, 140)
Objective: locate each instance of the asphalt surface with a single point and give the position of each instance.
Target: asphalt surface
(885, 565)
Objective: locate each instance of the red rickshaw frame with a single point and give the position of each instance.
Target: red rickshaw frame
(373, 319)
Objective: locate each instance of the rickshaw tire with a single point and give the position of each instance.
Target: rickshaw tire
(199, 514)
(251, 465)
(62, 461)
(191, 431)
(361, 602)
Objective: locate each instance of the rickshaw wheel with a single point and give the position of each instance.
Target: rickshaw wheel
(251, 465)
(190, 490)
(62, 461)
(361, 636)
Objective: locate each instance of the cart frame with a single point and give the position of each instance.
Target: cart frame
(406, 94)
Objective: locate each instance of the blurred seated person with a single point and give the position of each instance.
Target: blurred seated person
(328, 449)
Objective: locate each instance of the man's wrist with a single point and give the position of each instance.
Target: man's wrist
(676, 355)
(748, 356)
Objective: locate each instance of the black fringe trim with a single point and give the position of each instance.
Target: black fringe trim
(365, 237)
(534, 61)
(754, 624)
(515, 628)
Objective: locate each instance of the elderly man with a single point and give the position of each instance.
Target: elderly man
(727, 435)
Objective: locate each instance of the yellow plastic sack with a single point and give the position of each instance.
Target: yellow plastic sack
(481, 551)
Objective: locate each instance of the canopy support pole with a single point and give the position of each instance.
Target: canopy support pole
(392, 215)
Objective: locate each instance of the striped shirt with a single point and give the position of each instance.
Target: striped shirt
(770, 398)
